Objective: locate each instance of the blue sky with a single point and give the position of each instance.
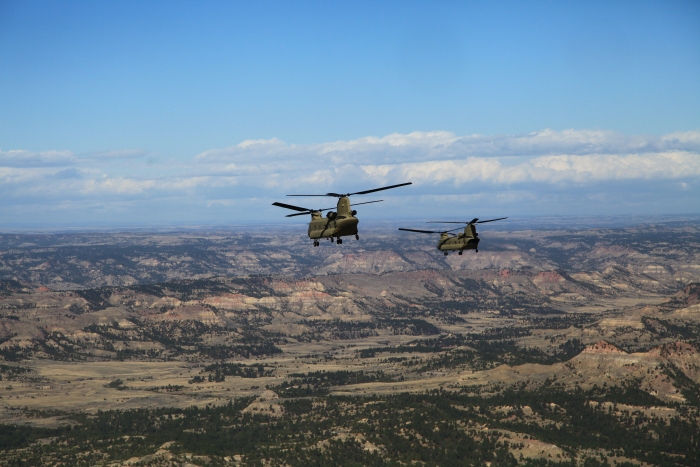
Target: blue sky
(139, 113)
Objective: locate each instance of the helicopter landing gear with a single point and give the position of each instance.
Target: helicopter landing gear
(445, 253)
(460, 252)
(316, 243)
(339, 241)
(357, 236)
(476, 251)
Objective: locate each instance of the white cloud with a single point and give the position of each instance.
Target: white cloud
(544, 169)
(686, 139)
(442, 145)
(23, 158)
(117, 185)
(504, 167)
(247, 151)
(581, 169)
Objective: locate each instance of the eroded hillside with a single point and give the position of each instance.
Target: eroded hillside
(547, 348)
(655, 257)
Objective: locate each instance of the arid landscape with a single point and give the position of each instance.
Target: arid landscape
(548, 347)
(320, 234)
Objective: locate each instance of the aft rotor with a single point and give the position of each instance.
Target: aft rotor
(471, 222)
(341, 222)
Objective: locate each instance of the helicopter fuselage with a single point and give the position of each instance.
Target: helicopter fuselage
(339, 223)
(468, 240)
(336, 224)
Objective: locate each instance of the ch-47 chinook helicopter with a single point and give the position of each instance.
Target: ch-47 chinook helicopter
(468, 240)
(340, 223)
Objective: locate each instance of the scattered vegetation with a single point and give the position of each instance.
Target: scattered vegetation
(219, 371)
(481, 351)
(434, 428)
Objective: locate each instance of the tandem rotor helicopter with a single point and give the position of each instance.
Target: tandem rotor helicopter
(341, 223)
(467, 240)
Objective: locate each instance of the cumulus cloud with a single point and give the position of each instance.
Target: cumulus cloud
(442, 145)
(432, 158)
(503, 167)
(544, 169)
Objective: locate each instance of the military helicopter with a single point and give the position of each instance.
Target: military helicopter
(340, 223)
(468, 240)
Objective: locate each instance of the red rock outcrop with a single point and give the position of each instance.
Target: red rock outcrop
(603, 347)
(674, 349)
(548, 277)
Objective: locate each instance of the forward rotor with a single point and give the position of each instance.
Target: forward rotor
(340, 195)
(305, 211)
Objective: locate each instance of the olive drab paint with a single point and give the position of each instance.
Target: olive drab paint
(336, 224)
(467, 240)
(341, 223)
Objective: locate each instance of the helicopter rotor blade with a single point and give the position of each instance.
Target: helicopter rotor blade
(292, 207)
(309, 211)
(491, 220)
(473, 221)
(421, 231)
(303, 211)
(342, 195)
(431, 231)
(369, 202)
(379, 189)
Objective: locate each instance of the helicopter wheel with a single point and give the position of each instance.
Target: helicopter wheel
(445, 253)
(460, 252)
(316, 243)
(476, 251)
(340, 241)
(357, 237)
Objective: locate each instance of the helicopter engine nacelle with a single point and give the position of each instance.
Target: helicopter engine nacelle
(331, 215)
